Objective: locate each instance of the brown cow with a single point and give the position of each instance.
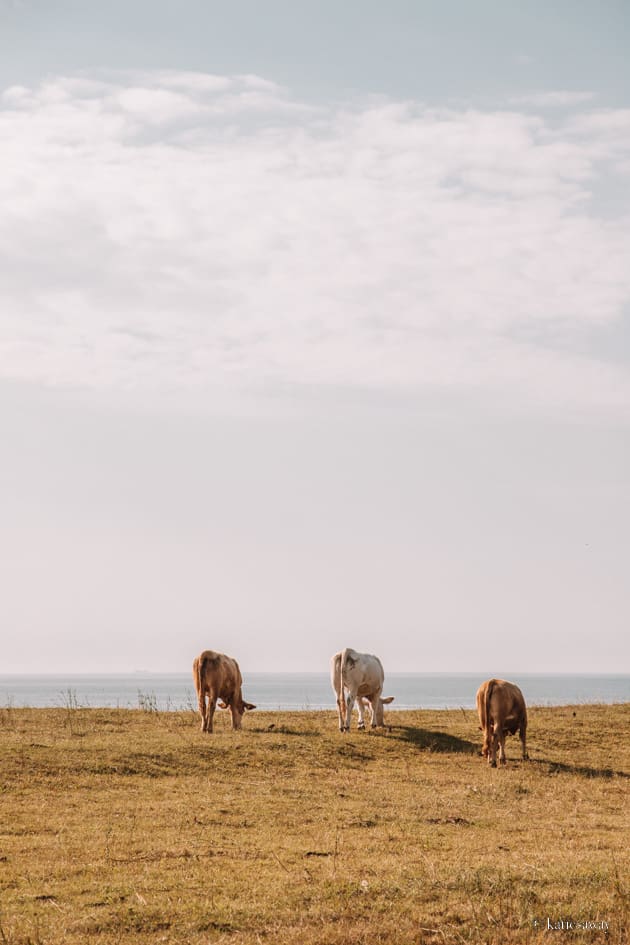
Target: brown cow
(219, 677)
(501, 709)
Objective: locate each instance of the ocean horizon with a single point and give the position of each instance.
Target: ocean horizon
(297, 691)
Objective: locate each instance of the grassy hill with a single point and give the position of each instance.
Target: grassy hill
(121, 826)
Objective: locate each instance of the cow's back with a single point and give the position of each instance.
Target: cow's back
(363, 673)
(512, 705)
(204, 666)
(504, 702)
(218, 674)
(500, 703)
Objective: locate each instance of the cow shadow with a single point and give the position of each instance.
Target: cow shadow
(559, 767)
(440, 742)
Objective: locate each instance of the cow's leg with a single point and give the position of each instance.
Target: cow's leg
(212, 704)
(522, 733)
(374, 701)
(201, 701)
(502, 758)
(341, 710)
(349, 707)
(493, 745)
(361, 709)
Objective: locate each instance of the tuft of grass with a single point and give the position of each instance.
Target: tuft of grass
(147, 701)
(145, 830)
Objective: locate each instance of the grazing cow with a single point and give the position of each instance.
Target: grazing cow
(501, 709)
(361, 676)
(219, 677)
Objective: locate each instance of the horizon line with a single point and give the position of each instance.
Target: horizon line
(322, 672)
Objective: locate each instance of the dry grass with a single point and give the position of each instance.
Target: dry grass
(124, 826)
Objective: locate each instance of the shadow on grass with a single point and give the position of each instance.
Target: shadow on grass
(285, 730)
(559, 767)
(433, 741)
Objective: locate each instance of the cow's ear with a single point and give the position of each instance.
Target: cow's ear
(249, 705)
(388, 700)
(223, 705)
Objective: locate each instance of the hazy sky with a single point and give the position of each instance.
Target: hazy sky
(315, 332)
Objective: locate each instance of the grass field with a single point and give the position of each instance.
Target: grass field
(124, 826)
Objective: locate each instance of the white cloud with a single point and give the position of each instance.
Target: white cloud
(175, 230)
(156, 106)
(201, 82)
(558, 99)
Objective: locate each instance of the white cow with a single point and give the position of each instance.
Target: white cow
(361, 676)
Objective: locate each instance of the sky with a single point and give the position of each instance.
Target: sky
(314, 333)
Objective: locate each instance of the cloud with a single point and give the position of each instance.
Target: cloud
(559, 99)
(178, 231)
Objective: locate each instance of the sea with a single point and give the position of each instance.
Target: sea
(296, 691)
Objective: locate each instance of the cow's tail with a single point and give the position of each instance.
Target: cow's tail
(197, 674)
(346, 662)
(208, 657)
(488, 724)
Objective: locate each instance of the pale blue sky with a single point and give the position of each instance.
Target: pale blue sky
(420, 48)
(314, 332)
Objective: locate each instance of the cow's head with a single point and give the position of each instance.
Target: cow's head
(379, 709)
(238, 709)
